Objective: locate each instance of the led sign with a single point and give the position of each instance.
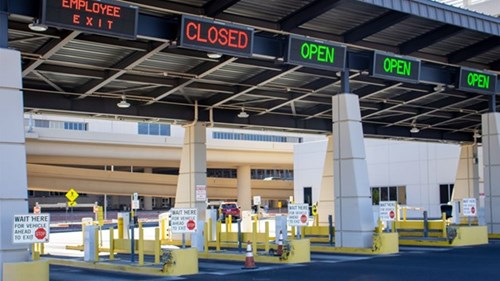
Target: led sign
(100, 17)
(393, 67)
(316, 53)
(215, 36)
(477, 81)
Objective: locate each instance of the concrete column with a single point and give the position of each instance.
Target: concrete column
(13, 178)
(326, 203)
(467, 179)
(148, 200)
(353, 210)
(491, 160)
(193, 169)
(244, 187)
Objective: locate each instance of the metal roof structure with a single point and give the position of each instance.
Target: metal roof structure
(76, 72)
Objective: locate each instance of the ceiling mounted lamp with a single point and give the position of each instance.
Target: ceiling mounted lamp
(476, 135)
(414, 129)
(123, 103)
(37, 26)
(243, 114)
(214, 55)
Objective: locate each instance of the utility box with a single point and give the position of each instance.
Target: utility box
(126, 223)
(212, 214)
(90, 243)
(281, 225)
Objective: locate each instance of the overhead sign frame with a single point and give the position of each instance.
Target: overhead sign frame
(104, 17)
(477, 81)
(216, 36)
(316, 53)
(395, 67)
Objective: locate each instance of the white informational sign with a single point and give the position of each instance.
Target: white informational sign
(201, 193)
(469, 207)
(298, 214)
(135, 196)
(31, 228)
(183, 220)
(387, 210)
(135, 204)
(256, 200)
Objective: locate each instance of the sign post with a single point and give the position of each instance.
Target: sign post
(184, 221)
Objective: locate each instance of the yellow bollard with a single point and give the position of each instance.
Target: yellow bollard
(111, 243)
(229, 224)
(120, 228)
(266, 242)
(96, 244)
(302, 232)
(316, 220)
(256, 220)
(444, 232)
(35, 255)
(292, 237)
(157, 246)
(404, 214)
(217, 235)
(205, 234)
(254, 238)
(140, 246)
(42, 248)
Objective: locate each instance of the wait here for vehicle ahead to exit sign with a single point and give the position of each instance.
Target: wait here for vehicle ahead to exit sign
(31, 228)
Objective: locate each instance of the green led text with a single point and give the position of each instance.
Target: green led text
(478, 80)
(321, 53)
(398, 66)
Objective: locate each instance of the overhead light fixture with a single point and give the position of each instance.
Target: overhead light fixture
(123, 103)
(243, 114)
(476, 135)
(414, 128)
(37, 26)
(214, 55)
(439, 88)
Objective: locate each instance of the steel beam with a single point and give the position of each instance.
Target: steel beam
(474, 49)
(374, 26)
(214, 8)
(307, 13)
(429, 38)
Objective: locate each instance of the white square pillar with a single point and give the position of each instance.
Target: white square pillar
(491, 160)
(353, 211)
(13, 178)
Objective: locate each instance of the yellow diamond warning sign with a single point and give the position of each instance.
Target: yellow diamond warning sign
(72, 195)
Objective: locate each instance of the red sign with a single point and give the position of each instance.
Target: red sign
(96, 16)
(391, 214)
(303, 219)
(215, 36)
(40, 233)
(191, 224)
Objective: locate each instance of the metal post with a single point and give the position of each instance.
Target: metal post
(4, 24)
(183, 240)
(344, 81)
(426, 225)
(240, 236)
(132, 245)
(493, 103)
(330, 229)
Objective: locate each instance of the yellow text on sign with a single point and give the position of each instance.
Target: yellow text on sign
(72, 195)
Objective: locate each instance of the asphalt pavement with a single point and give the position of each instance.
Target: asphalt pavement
(412, 263)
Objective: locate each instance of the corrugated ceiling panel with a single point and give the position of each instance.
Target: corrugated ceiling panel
(232, 73)
(403, 31)
(270, 10)
(344, 18)
(90, 53)
(457, 42)
(169, 62)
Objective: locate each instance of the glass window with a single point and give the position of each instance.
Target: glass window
(143, 129)
(393, 193)
(375, 195)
